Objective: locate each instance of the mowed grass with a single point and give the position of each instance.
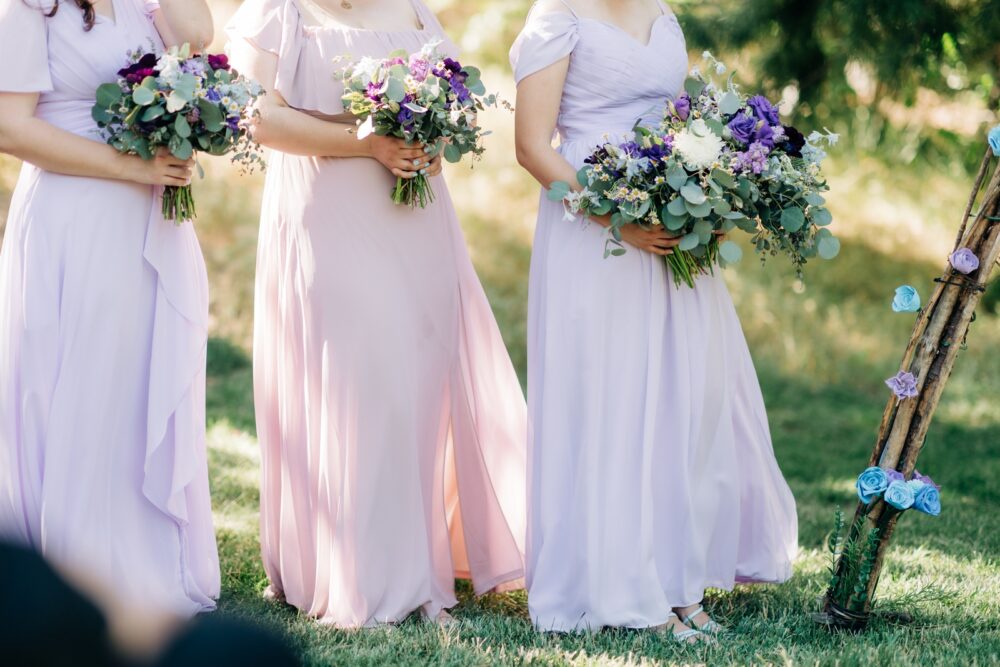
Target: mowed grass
(822, 349)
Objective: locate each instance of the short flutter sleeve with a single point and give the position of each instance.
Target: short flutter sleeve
(24, 49)
(547, 37)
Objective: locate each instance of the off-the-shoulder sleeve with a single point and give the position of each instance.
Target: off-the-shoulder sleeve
(547, 37)
(24, 49)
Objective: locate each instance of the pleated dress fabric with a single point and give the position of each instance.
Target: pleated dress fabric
(104, 312)
(391, 421)
(651, 471)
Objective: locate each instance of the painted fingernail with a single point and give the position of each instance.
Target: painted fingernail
(423, 171)
(427, 149)
(416, 163)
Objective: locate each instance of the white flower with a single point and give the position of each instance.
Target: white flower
(366, 68)
(175, 102)
(698, 145)
(170, 68)
(720, 68)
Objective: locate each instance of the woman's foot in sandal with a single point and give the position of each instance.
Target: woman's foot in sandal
(681, 633)
(443, 619)
(696, 617)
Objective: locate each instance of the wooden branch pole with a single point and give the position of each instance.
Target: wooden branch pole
(937, 338)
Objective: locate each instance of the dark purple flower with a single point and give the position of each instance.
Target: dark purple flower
(794, 142)
(194, 115)
(145, 66)
(681, 107)
(374, 91)
(764, 110)
(405, 115)
(233, 122)
(658, 151)
(461, 92)
(742, 126)
(218, 61)
(213, 95)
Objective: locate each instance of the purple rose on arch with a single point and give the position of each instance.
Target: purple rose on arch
(894, 475)
(764, 110)
(964, 261)
(925, 479)
(903, 385)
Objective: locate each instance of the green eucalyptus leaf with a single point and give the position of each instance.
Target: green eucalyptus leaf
(689, 242)
(677, 207)
(108, 95)
(677, 177)
(821, 217)
(557, 192)
(792, 219)
(181, 127)
(730, 252)
(395, 90)
(453, 153)
(828, 247)
(143, 96)
(702, 210)
(693, 194)
(730, 103)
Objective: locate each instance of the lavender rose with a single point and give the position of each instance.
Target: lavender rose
(903, 385)
(871, 484)
(419, 68)
(894, 475)
(907, 300)
(927, 499)
(899, 495)
(764, 110)
(925, 479)
(742, 127)
(682, 107)
(964, 261)
(994, 140)
(764, 135)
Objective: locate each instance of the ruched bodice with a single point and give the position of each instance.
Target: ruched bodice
(613, 79)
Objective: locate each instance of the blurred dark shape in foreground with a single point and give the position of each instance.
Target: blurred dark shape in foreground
(46, 622)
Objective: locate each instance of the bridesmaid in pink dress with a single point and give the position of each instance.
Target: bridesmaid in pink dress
(103, 319)
(392, 424)
(652, 475)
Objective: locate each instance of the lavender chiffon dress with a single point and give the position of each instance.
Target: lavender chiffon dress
(391, 422)
(103, 330)
(651, 471)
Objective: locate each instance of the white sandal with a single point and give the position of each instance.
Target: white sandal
(710, 628)
(688, 636)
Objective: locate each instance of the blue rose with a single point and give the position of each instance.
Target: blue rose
(871, 483)
(927, 499)
(907, 300)
(742, 127)
(899, 495)
(764, 110)
(994, 139)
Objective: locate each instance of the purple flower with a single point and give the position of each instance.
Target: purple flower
(194, 115)
(193, 66)
(894, 476)
(419, 68)
(681, 107)
(753, 160)
(139, 70)
(659, 151)
(213, 95)
(233, 122)
(794, 142)
(219, 61)
(374, 91)
(764, 110)
(964, 261)
(405, 115)
(742, 127)
(764, 135)
(925, 479)
(903, 385)
(461, 92)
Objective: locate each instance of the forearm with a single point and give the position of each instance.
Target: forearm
(291, 131)
(52, 149)
(186, 21)
(547, 165)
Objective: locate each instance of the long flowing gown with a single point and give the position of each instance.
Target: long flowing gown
(391, 422)
(103, 331)
(651, 471)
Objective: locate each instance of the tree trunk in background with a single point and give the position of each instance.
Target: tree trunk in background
(937, 338)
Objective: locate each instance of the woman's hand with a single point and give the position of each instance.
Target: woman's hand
(402, 159)
(163, 169)
(656, 240)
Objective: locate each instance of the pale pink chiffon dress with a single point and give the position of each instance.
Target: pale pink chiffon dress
(103, 330)
(391, 422)
(651, 472)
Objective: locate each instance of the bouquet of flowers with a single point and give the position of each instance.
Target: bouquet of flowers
(717, 161)
(183, 102)
(424, 98)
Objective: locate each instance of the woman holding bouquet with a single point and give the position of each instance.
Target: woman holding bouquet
(392, 424)
(651, 472)
(103, 319)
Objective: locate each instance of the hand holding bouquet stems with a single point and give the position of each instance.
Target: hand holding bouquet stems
(427, 100)
(181, 104)
(717, 161)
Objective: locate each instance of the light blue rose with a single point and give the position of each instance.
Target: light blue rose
(928, 500)
(994, 139)
(899, 495)
(907, 300)
(871, 483)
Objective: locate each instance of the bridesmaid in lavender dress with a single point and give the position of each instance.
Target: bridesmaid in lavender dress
(392, 424)
(103, 319)
(651, 472)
